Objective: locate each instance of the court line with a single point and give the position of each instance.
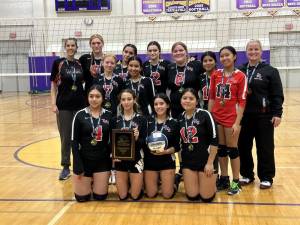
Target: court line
(60, 213)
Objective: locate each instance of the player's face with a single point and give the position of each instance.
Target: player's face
(127, 101)
(134, 68)
(71, 48)
(127, 53)
(95, 99)
(179, 54)
(160, 107)
(96, 45)
(227, 58)
(153, 52)
(209, 63)
(254, 52)
(188, 101)
(109, 64)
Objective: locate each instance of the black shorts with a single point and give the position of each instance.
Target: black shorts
(130, 166)
(199, 167)
(96, 166)
(160, 165)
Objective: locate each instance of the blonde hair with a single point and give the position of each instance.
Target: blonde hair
(110, 55)
(96, 36)
(255, 41)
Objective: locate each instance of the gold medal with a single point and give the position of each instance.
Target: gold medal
(181, 90)
(94, 142)
(222, 102)
(74, 87)
(191, 147)
(107, 105)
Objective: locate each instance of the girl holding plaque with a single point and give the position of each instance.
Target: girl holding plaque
(67, 97)
(227, 99)
(91, 148)
(199, 144)
(111, 83)
(132, 171)
(142, 86)
(163, 141)
(262, 114)
(156, 68)
(129, 50)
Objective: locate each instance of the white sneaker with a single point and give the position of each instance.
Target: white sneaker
(246, 180)
(112, 178)
(265, 184)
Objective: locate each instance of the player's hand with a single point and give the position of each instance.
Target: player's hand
(94, 70)
(209, 169)
(136, 133)
(54, 108)
(236, 128)
(276, 121)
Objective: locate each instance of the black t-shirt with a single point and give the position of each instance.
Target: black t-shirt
(112, 89)
(83, 133)
(69, 79)
(180, 77)
(121, 71)
(145, 92)
(171, 130)
(158, 73)
(204, 90)
(199, 132)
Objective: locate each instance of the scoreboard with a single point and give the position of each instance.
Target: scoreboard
(82, 5)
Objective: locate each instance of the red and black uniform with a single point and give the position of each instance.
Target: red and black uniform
(158, 73)
(171, 130)
(112, 88)
(136, 166)
(197, 134)
(180, 77)
(144, 90)
(227, 93)
(121, 71)
(204, 89)
(91, 157)
(264, 101)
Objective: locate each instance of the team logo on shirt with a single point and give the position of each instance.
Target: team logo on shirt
(179, 78)
(155, 76)
(223, 91)
(188, 136)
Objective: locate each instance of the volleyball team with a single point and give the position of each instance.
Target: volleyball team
(209, 116)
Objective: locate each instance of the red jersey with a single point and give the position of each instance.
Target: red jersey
(228, 92)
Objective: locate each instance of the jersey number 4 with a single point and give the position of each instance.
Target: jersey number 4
(188, 136)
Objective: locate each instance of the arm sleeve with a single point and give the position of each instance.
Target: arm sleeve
(212, 129)
(276, 94)
(77, 161)
(242, 90)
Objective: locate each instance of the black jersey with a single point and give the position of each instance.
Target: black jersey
(112, 89)
(121, 71)
(145, 92)
(137, 121)
(85, 128)
(265, 94)
(158, 73)
(197, 134)
(204, 90)
(180, 77)
(69, 79)
(88, 61)
(171, 130)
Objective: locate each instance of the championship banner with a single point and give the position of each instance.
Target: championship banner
(293, 3)
(272, 3)
(199, 5)
(152, 6)
(247, 4)
(173, 6)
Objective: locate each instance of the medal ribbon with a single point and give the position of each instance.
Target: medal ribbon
(250, 76)
(136, 91)
(130, 124)
(96, 133)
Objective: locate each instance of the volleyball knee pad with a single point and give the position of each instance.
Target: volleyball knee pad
(207, 200)
(82, 198)
(222, 151)
(99, 197)
(233, 152)
(195, 198)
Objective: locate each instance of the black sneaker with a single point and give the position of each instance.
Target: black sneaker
(245, 181)
(178, 177)
(64, 174)
(223, 183)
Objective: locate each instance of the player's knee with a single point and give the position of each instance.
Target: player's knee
(137, 197)
(233, 152)
(98, 197)
(207, 200)
(193, 198)
(123, 197)
(222, 151)
(82, 198)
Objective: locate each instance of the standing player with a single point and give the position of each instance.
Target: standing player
(91, 148)
(130, 119)
(262, 113)
(199, 148)
(67, 97)
(156, 68)
(111, 83)
(161, 163)
(142, 86)
(129, 51)
(227, 99)
(92, 62)
(209, 62)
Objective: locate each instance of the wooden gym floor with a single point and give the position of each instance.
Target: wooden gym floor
(30, 192)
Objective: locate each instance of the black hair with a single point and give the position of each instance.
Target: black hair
(100, 90)
(231, 49)
(154, 43)
(166, 99)
(136, 58)
(210, 54)
(131, 46)
(192, 90)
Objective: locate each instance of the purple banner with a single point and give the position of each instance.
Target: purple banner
(247, 4)
(272, 3)
(152, 6)
(293, 3)
(173, 6)
(199, 5)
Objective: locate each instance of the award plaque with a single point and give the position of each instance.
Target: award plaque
(123, 144)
